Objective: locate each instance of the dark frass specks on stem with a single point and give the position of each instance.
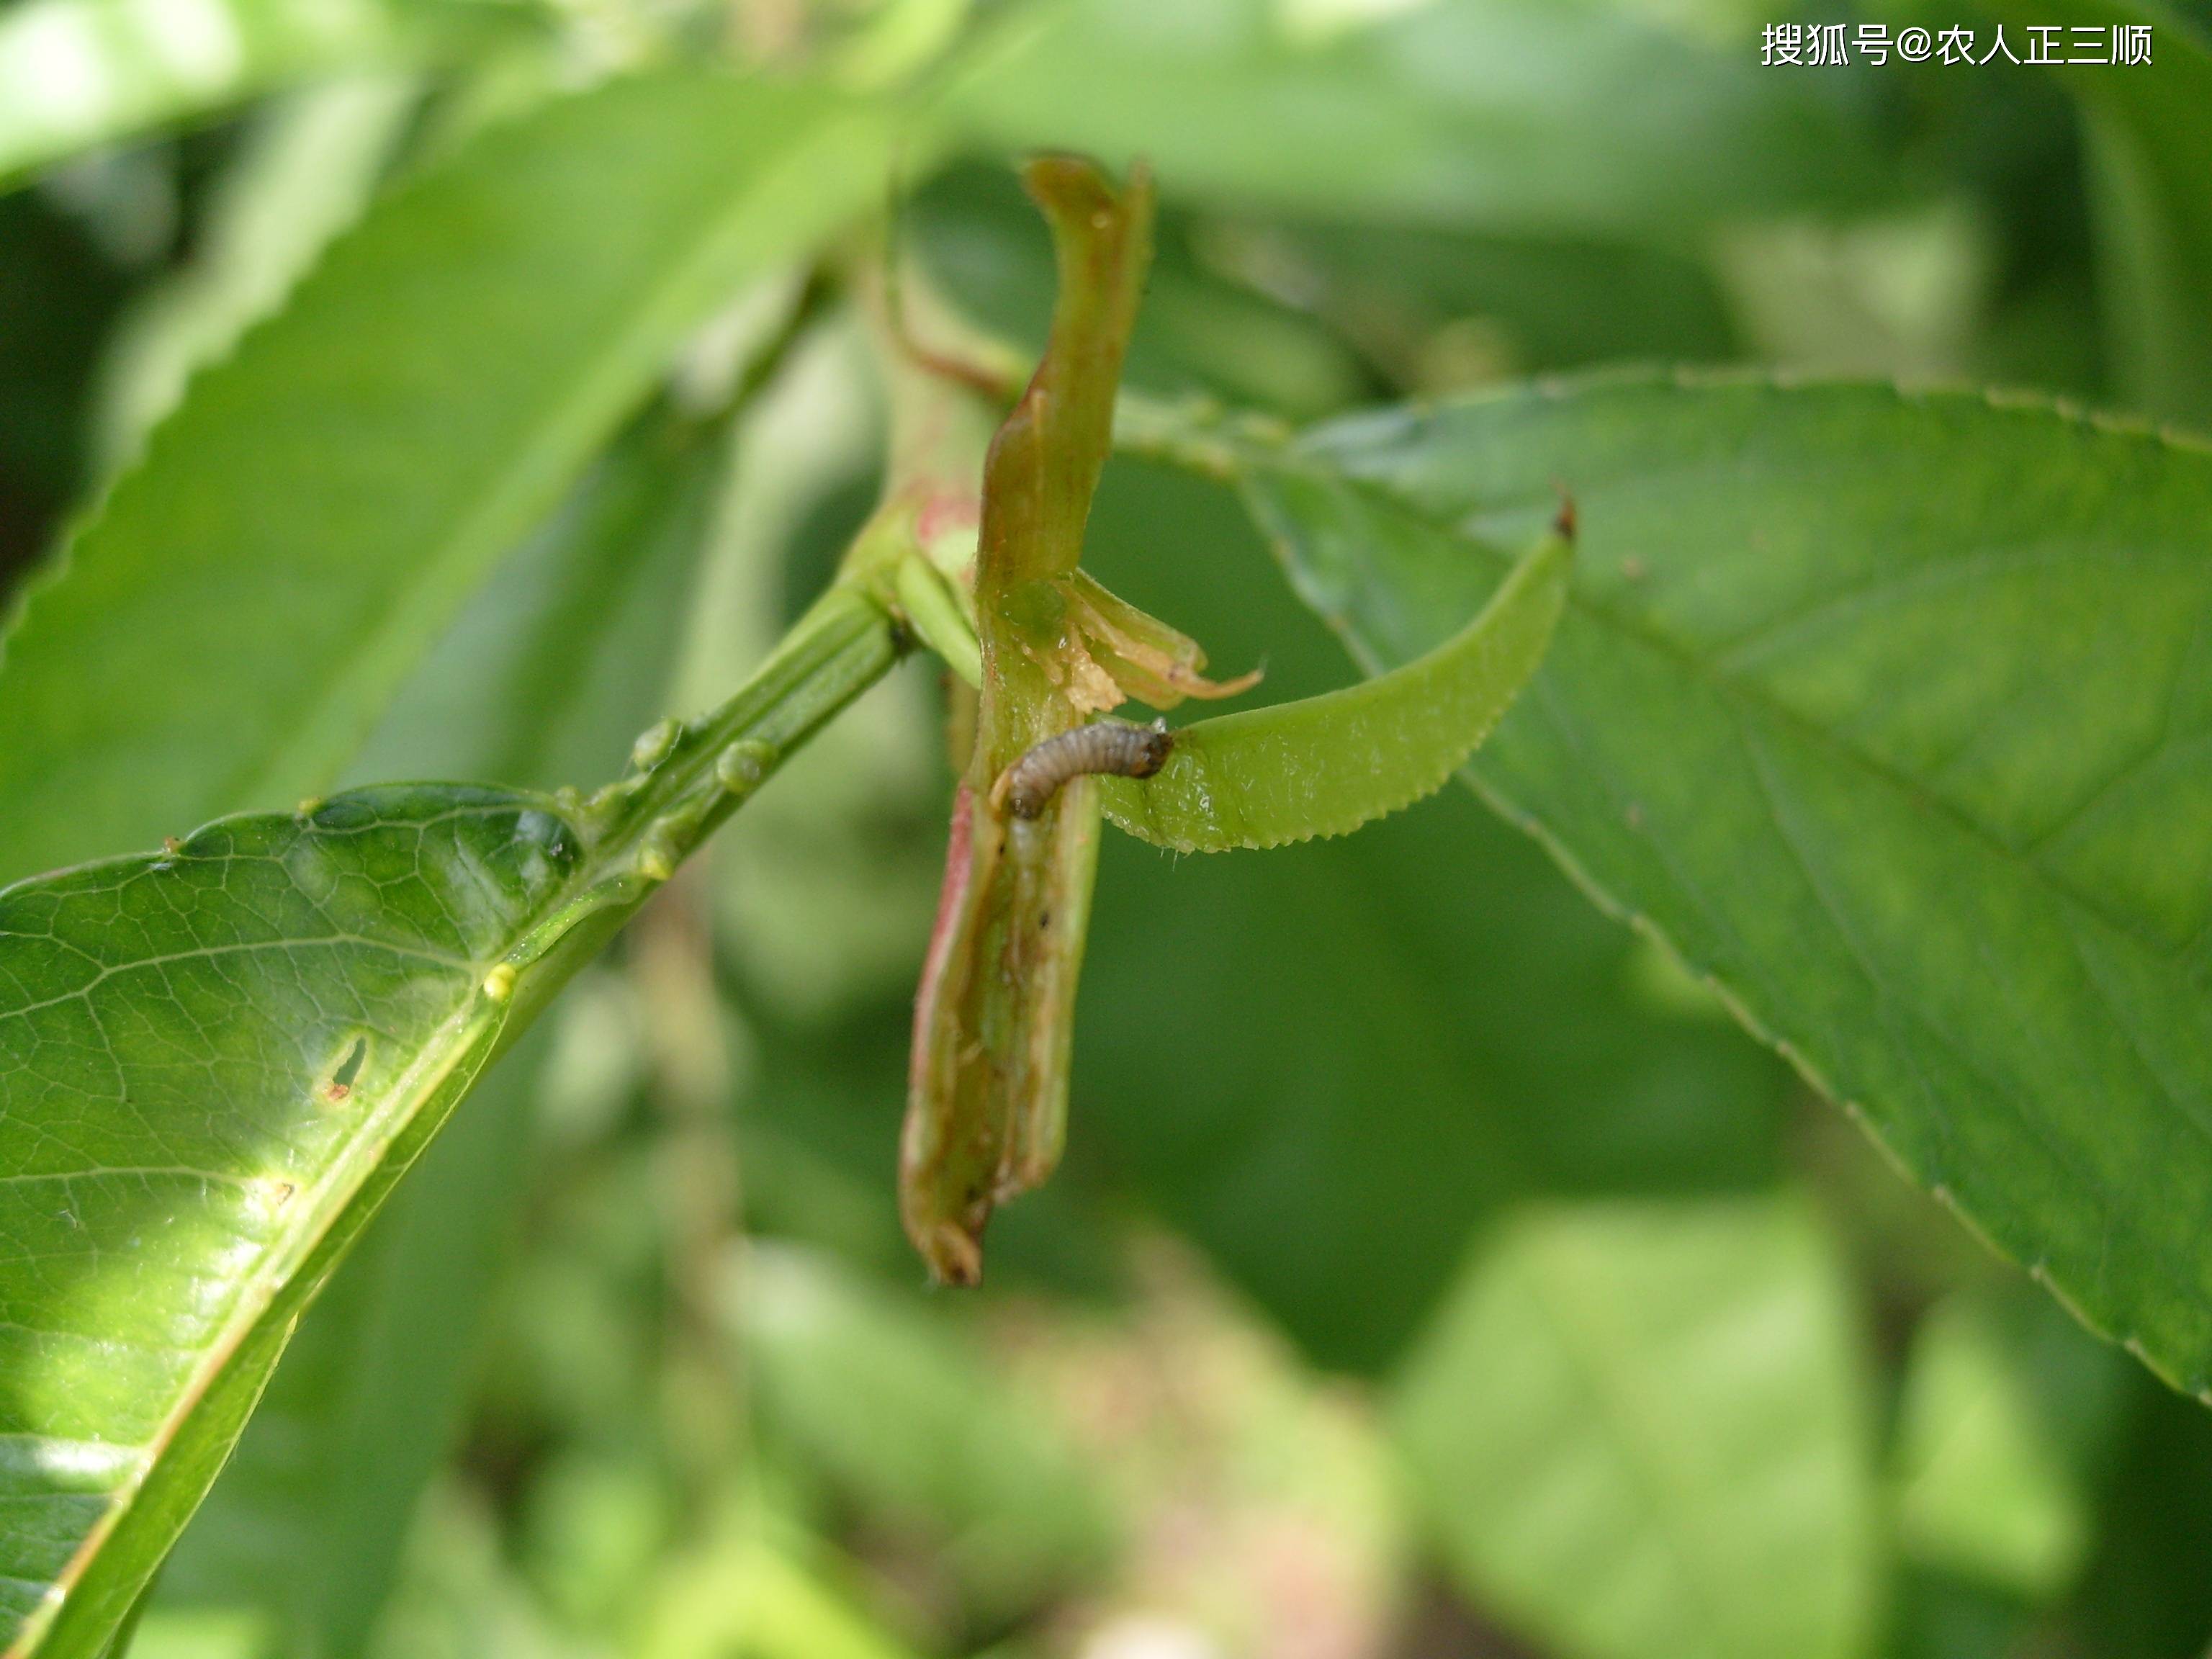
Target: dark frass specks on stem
(988, 1085)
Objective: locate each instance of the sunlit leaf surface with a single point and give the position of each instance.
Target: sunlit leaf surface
(560, 659)
(1892, 714)
(308, 522)
(75, 74)
(214, 1057)
(217, 1059)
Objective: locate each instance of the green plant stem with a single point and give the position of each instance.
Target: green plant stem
(843, 646)
(688, 778)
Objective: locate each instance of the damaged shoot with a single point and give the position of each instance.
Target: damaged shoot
(987, 1106)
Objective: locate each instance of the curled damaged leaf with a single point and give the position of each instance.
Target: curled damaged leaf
(1141, 655)
(986, 1102)
(1325, 765)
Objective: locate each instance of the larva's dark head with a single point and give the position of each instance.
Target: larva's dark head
(1154, 744)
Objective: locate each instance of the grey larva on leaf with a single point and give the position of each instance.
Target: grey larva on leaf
(1026, 787)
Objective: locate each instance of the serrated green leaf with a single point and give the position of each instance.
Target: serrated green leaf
(300, 1535)
(304, 173)
(556, 663)
(1894, 714)
(75, 74)
(2149, 129)
(563, 657)
(210, 1055)
(1326, 765)
(1641, 1431)
(1427, 113)
(303, 528)
(1229, 1071)
(218, 1060)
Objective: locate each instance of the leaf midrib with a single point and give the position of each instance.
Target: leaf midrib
(2064, 898)
(2117, 1214)
(1751, 693)
(844, 644)
(327, 1202)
